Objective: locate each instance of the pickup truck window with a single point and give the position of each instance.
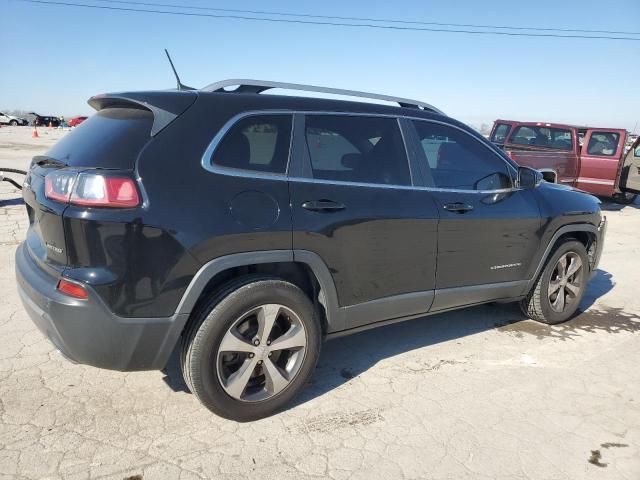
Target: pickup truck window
(457, 161)
(555, 138)
(603, 143)
(500, 133)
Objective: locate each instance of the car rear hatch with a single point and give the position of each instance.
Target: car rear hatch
(630, 174)
(109, 142)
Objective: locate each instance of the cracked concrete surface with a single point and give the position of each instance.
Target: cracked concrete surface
(473, 394)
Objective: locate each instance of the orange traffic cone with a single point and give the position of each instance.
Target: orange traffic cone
(50, 126)
(34, 134)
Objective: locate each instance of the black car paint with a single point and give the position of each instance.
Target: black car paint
(392, 253)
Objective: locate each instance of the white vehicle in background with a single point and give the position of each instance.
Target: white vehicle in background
(12, 120)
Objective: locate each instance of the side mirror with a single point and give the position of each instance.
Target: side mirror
(528, 178)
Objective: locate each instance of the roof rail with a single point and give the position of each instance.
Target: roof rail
(259, 86)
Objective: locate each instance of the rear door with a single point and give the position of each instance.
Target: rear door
(354, 206)
(600, 160)
(630, 175)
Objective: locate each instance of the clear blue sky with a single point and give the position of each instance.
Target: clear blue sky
(53, 57)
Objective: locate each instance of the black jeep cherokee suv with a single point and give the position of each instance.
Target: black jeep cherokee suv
(243, 228)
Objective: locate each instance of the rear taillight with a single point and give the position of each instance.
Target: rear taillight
(72, 289)
(91, 189)
(59, 185)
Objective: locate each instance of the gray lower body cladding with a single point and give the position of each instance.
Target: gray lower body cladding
(86, 332)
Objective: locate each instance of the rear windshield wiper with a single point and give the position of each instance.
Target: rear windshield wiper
(45, 161)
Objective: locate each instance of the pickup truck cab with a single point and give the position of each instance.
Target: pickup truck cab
(590, 159)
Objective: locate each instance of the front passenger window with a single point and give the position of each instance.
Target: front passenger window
(456, 160)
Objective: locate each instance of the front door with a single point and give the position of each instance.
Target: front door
(630, 176)
(600, 158)
(354, 206)
(488, 230)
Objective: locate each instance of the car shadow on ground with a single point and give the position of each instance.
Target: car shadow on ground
(347, 357)
(11, 202)
(609, 206)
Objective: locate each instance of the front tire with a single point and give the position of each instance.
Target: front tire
(560, 287)
(251, 348)
(13, 123)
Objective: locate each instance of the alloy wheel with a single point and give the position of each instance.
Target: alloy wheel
(261, 353)
(566, 282)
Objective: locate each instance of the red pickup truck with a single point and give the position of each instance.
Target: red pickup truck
(591, 159)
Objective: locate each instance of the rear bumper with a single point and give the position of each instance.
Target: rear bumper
(86, 331)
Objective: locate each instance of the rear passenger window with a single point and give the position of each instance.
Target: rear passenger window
(258, 143)
(456, 160)
(603, 143)
(353, 148)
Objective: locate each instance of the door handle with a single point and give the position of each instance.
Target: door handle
(323, 206)
(458, 207)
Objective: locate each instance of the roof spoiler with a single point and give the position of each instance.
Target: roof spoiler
(165, 106)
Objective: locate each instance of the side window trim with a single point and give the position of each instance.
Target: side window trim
(207, 158)
(295, 171)
(423, 160)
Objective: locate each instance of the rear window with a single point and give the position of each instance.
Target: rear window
(500, 133)
(554, 138)
(112, 138)
(603, 144)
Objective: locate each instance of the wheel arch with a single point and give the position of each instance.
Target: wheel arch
(304, 269)
(585, 233)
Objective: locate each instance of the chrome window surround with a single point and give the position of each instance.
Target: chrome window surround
(208, 164)
(240, 172)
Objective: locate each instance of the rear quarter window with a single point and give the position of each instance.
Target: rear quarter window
(112, 138)
(258, 143)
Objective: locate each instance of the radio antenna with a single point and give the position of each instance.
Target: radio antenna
(180, 86)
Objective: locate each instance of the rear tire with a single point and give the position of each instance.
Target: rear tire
(625, 198)
(560, 287)
(234, 356)
(13, 123)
